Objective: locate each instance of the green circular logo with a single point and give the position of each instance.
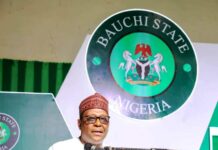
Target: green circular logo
(4, 133)
(142, 69)
(9, 131)
(143, 63)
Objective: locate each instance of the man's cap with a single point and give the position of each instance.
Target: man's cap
(92, 102)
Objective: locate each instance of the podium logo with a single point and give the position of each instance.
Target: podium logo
(9, 132)
(143, 63)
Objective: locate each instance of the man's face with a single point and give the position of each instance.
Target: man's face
(94, 130)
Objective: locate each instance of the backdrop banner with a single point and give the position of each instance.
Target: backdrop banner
(183, 129)
(30, 121)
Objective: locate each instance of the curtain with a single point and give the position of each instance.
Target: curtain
(32, 76)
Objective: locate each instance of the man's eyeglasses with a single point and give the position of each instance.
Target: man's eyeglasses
(93, 119)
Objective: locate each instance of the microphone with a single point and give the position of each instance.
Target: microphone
(88, 146)
(93, 147)
(107, 148)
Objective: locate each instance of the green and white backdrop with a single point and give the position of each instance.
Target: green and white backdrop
(34, 121)
(185, 129)
(172, 107)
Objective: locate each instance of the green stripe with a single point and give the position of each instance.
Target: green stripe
(1, 72)
(66, 67)
(6, 84)
(37, 76)
(58, 78)
(14, 79)
(44, 81)
(21, 75)
(29, 84)
(52, 77)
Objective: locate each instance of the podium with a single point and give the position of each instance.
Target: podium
(39, 121)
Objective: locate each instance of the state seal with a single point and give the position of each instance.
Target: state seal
(143, 62)
(9, 132)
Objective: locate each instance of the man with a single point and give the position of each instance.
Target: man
(93, 124)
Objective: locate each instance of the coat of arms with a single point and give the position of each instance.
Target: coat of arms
(143, 70)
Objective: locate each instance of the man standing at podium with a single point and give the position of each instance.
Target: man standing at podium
(93, 124)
